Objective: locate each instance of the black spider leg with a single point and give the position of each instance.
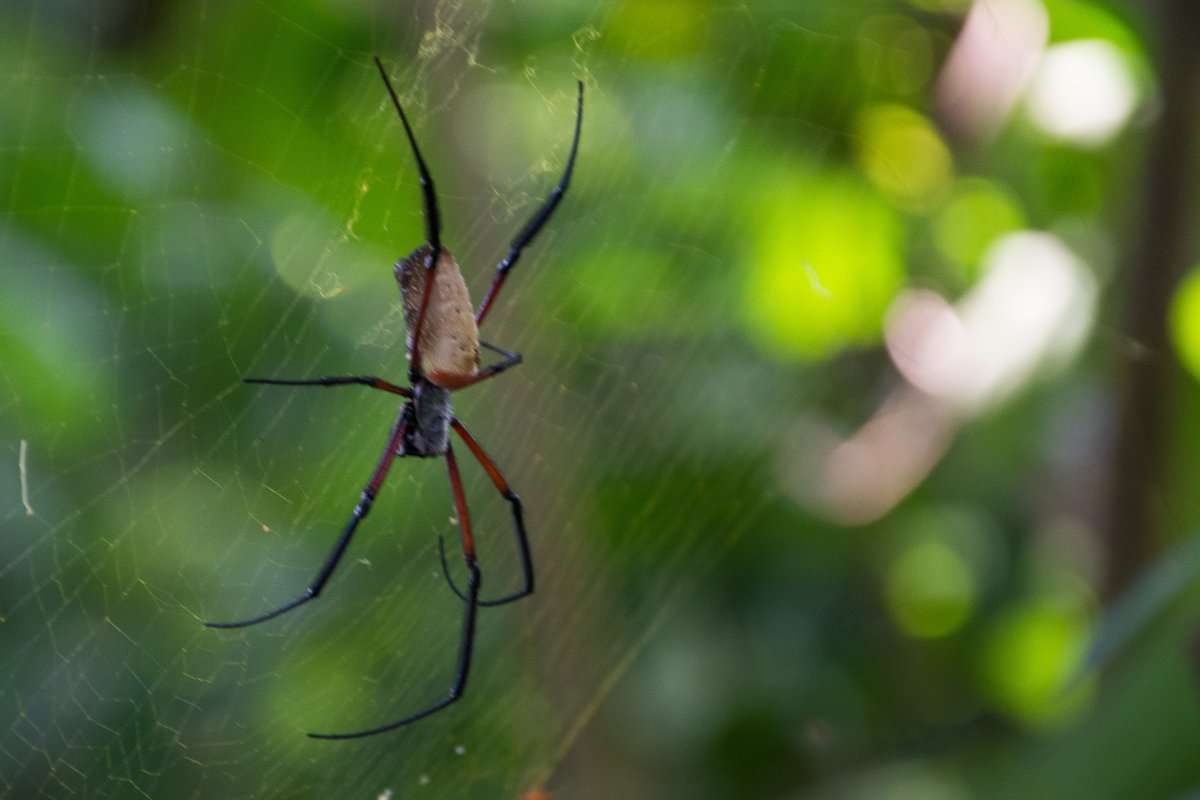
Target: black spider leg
(536, 222)
(466, 643)
(347, 380)
(514, 500)
(433, 227)
(511, 359)
(360, 512)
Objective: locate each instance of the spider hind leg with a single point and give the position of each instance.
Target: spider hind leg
(518, 514)
(467, 640)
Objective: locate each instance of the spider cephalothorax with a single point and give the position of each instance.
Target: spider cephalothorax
(442, 332)
(427, 432)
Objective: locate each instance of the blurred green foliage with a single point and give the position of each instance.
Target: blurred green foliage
(197, 192)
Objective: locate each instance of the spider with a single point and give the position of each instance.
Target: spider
(443, 346)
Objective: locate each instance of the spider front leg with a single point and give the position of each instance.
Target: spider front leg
(366, 500)
(433, 224)
(514, 500)
(535, 223)
(346, 380)
(467, 642)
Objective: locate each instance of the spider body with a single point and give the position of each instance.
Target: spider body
(442, 337)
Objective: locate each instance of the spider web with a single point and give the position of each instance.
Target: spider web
(199, 192)
(212, 191)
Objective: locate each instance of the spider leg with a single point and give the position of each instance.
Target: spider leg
(514, 500)
(535, 223)
(511, 359)
(466, 643)
(360, 512)
(433, 224)
(363, 380)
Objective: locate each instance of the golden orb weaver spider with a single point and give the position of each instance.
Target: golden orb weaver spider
(443, 345)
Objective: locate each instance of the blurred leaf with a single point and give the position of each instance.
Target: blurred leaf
(1174, 573)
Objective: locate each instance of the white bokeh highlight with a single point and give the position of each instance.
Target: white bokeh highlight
(1083, 92)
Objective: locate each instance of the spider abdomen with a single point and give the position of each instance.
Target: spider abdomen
(449, 336)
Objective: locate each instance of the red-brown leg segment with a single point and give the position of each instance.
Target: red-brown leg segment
(414, 356)
(460, 507)
(514, 501)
